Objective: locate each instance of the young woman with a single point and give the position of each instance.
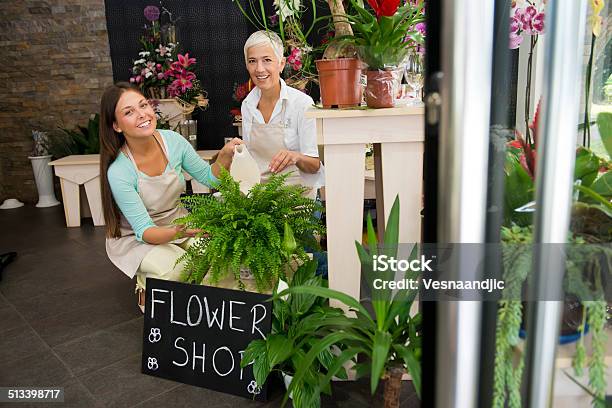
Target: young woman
(141, 179)
(274, 128)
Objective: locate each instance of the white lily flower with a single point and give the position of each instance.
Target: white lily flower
(148, 74)
(144, 53)
(140, 61)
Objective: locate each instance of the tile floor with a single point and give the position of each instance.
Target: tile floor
(68, 318)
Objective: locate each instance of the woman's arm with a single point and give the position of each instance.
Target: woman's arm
(163, 235)
(285, 158)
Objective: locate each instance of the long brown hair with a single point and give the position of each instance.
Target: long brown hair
(111, 143)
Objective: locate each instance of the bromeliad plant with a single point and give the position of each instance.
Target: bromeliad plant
(387, 341)
(262, 231)
(384, 38)
(284, 350)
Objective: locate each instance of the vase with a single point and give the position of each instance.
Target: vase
(287, 381)
(44, 181)
(380, 90)
(340, 82)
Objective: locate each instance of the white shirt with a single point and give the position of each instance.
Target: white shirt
(300, 132)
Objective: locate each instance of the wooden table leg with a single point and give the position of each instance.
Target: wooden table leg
(402, 170)
(94, 197)
(344, 175)
(72, 207)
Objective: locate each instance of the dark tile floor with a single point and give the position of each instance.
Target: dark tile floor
(68, 318)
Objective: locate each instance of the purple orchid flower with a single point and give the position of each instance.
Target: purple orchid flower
(151, 13)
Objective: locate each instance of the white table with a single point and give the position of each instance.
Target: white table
(398, 136)
(84, 170)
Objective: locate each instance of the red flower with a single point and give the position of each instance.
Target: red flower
(516, 144)
(384, 7)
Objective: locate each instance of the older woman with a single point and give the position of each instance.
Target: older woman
(274, 128)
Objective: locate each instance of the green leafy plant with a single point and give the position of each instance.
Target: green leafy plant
(82, 140)
(293, 318)
(381, 38)
(583, 280)
(262, 231)
(388, 341)
(591, 224)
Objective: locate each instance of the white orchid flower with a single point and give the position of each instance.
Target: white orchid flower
(287, 8)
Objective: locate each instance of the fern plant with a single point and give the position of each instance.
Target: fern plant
(262, 231)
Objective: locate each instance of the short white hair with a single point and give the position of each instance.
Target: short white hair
(262, 37)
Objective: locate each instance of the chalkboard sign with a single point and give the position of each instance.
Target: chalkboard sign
(196, 335)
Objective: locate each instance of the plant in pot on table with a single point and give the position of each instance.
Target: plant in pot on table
(262, 232)
(383, 40)
(162, 71)
(387, 342)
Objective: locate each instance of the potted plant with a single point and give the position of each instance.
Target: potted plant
(340, 68)
(387, 341)
(43, 176)
(163, 73)
(590, 230)
(383, 40)
(291, 339)
(263, 231)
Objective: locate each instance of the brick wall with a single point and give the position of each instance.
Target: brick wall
(55, 65)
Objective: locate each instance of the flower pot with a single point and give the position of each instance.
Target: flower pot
(44, 181)
(380, 90)
(287, 381)
(340, 82)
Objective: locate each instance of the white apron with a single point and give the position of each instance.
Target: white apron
(160, 196)
(265, 140)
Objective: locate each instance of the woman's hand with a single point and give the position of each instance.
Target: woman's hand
(226, 154)
(182, 232)
(282, 159)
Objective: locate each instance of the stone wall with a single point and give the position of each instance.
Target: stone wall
(55, 65)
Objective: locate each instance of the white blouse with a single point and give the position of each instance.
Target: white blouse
(300, 132)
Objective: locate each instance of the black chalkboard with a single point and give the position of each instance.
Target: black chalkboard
(213, 325)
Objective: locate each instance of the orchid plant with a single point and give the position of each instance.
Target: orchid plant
(288, 22)
(161, 69)
(527, 21)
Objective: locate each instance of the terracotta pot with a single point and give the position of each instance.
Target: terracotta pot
(339, 80)
(380, 89)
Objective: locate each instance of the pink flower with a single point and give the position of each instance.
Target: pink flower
(515, 41)
(132, 79)
(421, 28)
(531, 11)
(158, 66)
(160, 75)
(182, 84)
(515, 25)
(138, 79)
(537, 23)
(185, 61)
(297, 65)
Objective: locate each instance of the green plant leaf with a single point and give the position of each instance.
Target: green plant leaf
(328, 293)
(279, 349)
(604, 124)
(412, 364)
(603, 185)
(380, 356)
(587, 166)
